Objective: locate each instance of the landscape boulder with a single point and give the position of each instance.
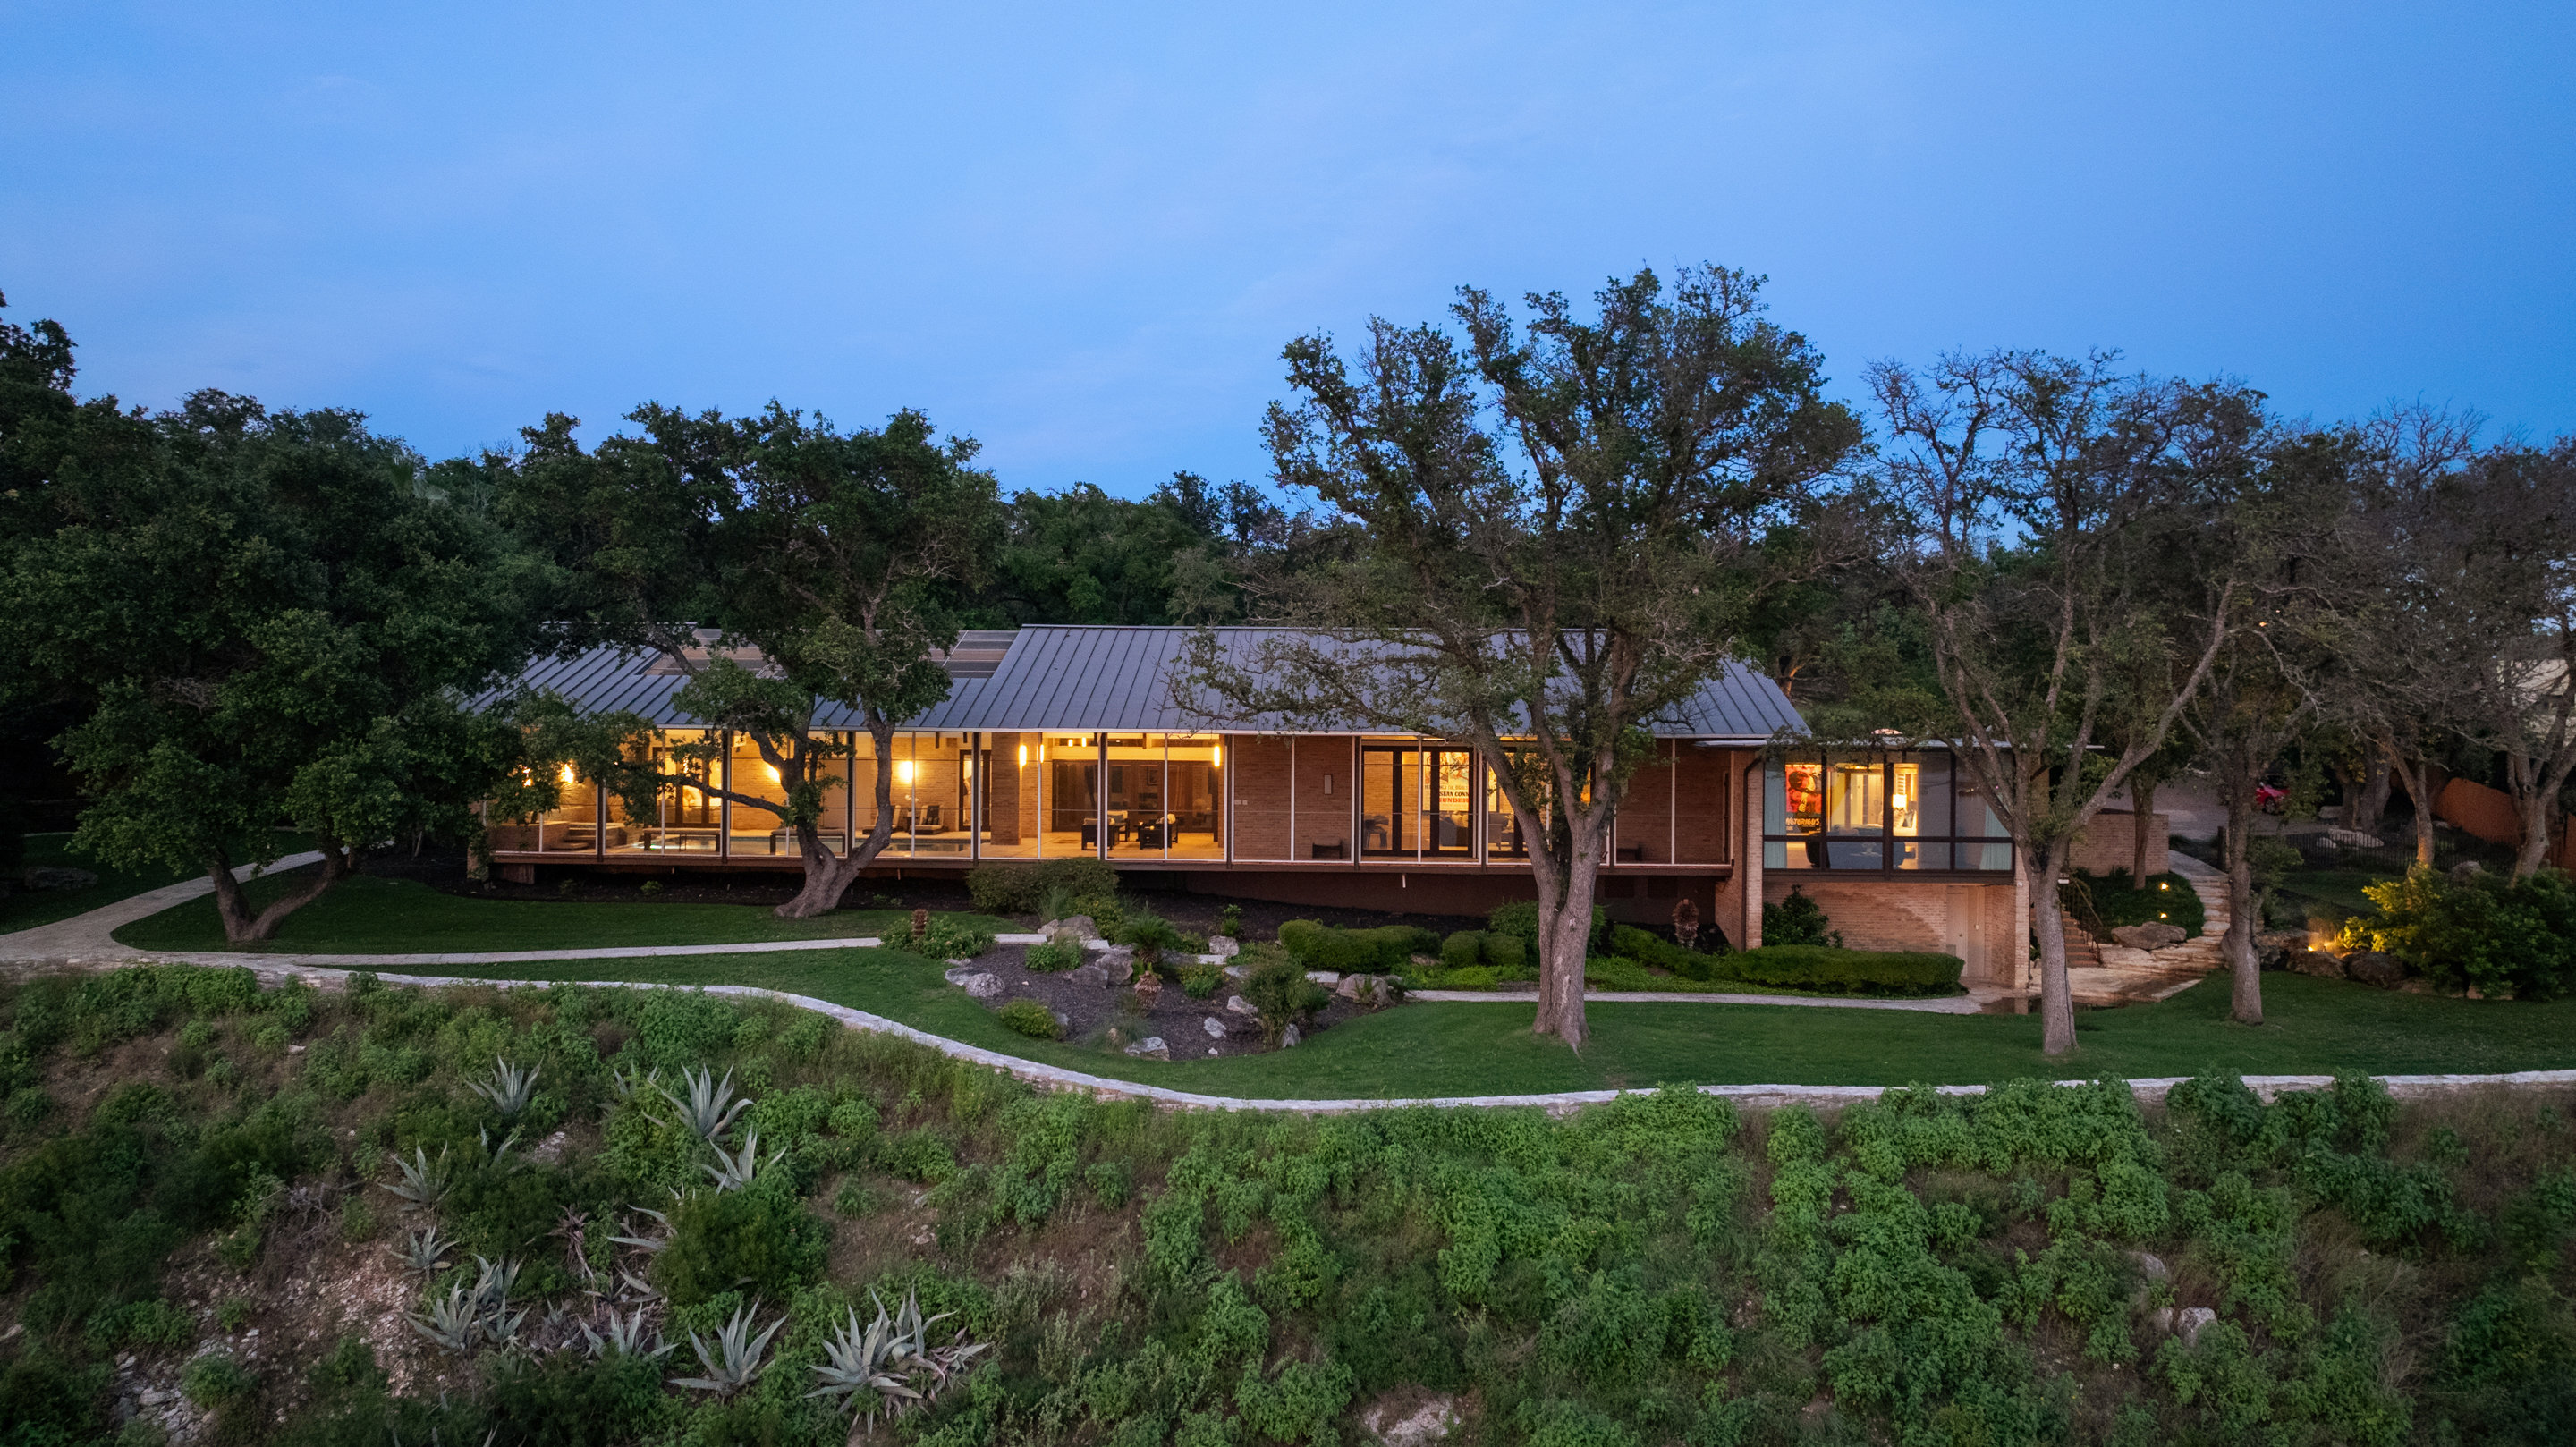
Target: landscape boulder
(1074, 927)
(1151, 1047)
(2374, 967)
(2155, 934)
(2313, 962)
(1119, 961)
(1289, 1039)
(1213, 1028)
(1090, 974)
(1223, 948)
(2355, 839)
(982, 984)
(2185, 1322)
(2272, 946)
(1237, 1005)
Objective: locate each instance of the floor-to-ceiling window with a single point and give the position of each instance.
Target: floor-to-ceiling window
(1070, 764)
(1879, 811)
(684, 818)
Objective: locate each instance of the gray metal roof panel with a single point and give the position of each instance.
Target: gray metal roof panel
(1098, 679)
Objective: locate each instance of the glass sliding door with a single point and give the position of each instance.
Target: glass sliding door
(1071, 769)
(1137, 822)
(1194, 795)
(1390, 801)
(1449, 803)
(685, 818)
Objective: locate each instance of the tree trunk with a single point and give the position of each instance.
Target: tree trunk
(2056, 993)
(232, 904)
(828, 876)
(1565, 928)
(2418, 779)
(2247, 994)
(2535, 800)
(2369, 808)
(2142, 829)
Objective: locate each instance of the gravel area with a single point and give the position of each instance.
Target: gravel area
(1094, 1010)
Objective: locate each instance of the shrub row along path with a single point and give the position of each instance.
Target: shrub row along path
(88, 941)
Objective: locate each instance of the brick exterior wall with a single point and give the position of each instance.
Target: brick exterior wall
(2109, 842)
(1259, 769)
(1970, 920)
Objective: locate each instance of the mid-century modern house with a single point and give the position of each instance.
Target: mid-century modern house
(1064, 741)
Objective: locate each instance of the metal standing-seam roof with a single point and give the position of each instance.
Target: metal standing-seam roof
(1087, 678)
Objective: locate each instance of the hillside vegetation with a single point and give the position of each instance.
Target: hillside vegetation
(236, 1215)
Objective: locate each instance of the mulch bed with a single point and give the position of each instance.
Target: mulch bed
(1108, 1015)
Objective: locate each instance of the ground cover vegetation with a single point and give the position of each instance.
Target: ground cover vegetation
(668, 1217)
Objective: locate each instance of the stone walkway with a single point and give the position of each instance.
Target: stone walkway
(2134, 977)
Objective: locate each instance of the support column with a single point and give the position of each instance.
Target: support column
(1754, 797)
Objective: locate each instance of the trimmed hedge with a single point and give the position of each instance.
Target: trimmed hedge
(1463, 951)
(1663, 954)
(1855, 972)
(1012, 887)
(1318, 946)
(1519, 920)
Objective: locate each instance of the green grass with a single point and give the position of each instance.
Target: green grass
(26, 909)
(2316, 1026)
(2338, 890)
(368, 916)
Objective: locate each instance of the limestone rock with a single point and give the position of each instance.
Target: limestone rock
(981, 984)
(1074, 927)
(2185, 1322)
(1290, 1040)
(1119, 961)
(2313, 962)
(1237, 1005)
(1238, 972)
(1213, 1027)
(2372, 967)
(1348, 987)
(1324, 977)
(1223, 947)
(2467, 867)
(1090, 974)
(1151, 1047)
(2155, 934)
(2355, 839)
(1430, 1422)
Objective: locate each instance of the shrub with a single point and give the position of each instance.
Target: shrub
(1018, 887)
(1229, 922)
(1153, 938)
(1857, 972)
(1463, 950)
(1797, 920)
(1280, 990)
(1508, 954)
(1387, 948)
(211, 1381)
(1663, 954)
(2482, 929)
(1051, 957)
(949, 939)
(1200, 981)
(756, 1240)
(1030, 1017)
(2166, 897)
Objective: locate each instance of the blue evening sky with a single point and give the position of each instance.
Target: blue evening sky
(1082, 233)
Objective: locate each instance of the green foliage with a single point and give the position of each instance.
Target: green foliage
(2484, 930)
(1052, 957)
(1156, 940)
(1386, 949)
(1280, 991)
(1462, 950)
(1798, 921)
(1016, 887)
(212, 1381)
(1832, 968)
(1200, 981)
(759, 1239)
(1663, 954)
(2167, 899)
(1298, 1404)
(949, 939)
(1030, 1017)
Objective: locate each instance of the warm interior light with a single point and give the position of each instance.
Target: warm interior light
(772, 771)
(903, 772)
(1216, 756)
(1024, 756)
(1896, 800)
(566, 775)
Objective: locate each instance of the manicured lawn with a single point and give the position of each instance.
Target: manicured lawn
(2338, 891)
(27, 909)
(365, 915)
(1455, 1049)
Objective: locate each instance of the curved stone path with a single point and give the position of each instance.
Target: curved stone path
(88, 941)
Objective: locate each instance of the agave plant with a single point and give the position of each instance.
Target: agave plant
(733, 1363)
(637, 1288)
(628, 1082)
(509, 1088)
(734, 1170)
(423, 1251)
(625, 1337)
(423, 1182)
(891, 1357)
(494, 1281)
(454, 1322)
(709, 1110)
(642, 1242)
(496, 1155)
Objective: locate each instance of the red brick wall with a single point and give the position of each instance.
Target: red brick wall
(1260, 785)
(1708, 827)
(1325, 818)
(2109, 842)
